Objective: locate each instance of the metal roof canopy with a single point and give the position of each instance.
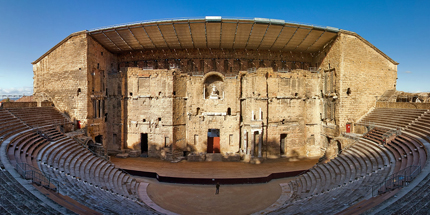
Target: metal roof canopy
(215, 32)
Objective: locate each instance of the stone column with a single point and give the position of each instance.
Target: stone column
(245, 137)
(252, 144)
(260, 142)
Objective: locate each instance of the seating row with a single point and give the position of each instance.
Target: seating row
(14, 198)
(331, 187)
(392, 118)
(90, 180)
(37, 116)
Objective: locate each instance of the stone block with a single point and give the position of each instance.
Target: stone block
(122, 155)
(214, 157)
(134, 153)
(231, 157)
(195, 157)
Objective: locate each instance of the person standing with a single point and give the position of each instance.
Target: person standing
(217, 188)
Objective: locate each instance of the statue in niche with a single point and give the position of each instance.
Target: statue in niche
(214, 93)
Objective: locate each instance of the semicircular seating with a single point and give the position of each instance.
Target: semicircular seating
(350, 177)
(40, 144)
(341, 182)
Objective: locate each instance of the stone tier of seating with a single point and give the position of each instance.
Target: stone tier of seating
(331, 187)
(408, 150)
(9, 124)
(88, 179)
(415, 201)
(414, 121)
(420, 127)
(39, 116)
(15, 199)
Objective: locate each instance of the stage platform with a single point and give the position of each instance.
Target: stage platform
(212, 172)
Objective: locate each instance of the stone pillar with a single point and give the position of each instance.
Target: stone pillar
(260, 142)
(261, 115)
(245, 137)
(252, 144)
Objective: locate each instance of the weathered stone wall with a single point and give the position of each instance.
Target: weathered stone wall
(205, 113)
(101, 63)
(61, 77)
(294, 111)
(361, 75)
(226, 61)
(268, 104)
(239, 106)
(149, 109)
(114, 109)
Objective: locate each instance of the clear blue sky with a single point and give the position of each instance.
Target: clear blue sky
(28, 29)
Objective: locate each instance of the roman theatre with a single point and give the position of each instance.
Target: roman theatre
(308, 115)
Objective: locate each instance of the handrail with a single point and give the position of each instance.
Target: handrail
(399, 179)
(29, 172)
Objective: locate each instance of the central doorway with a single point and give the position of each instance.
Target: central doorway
(213, 141)
(143, 143)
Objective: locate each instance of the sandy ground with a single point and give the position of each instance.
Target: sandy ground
(186, 169)
(201, 199)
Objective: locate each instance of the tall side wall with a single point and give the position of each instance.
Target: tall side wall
(362, 74)
(61, 77)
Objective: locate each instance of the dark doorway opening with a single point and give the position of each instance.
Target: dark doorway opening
(283, 144)
(99, 139)
(143, 143)
(213, 145)
(339, 147)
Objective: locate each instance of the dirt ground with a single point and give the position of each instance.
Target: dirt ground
(201, 199)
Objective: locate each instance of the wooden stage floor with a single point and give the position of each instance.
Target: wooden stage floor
(186, 169)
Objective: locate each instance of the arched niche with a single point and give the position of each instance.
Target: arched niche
(213, 84)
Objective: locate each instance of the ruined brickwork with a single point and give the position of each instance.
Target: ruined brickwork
(242, 103)
(100, 64)
(253, 111)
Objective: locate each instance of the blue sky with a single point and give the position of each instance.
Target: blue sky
(28, 29)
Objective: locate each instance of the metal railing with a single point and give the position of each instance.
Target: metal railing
(28, 172)
(370, 125)
(397, 180)
(391, 134)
